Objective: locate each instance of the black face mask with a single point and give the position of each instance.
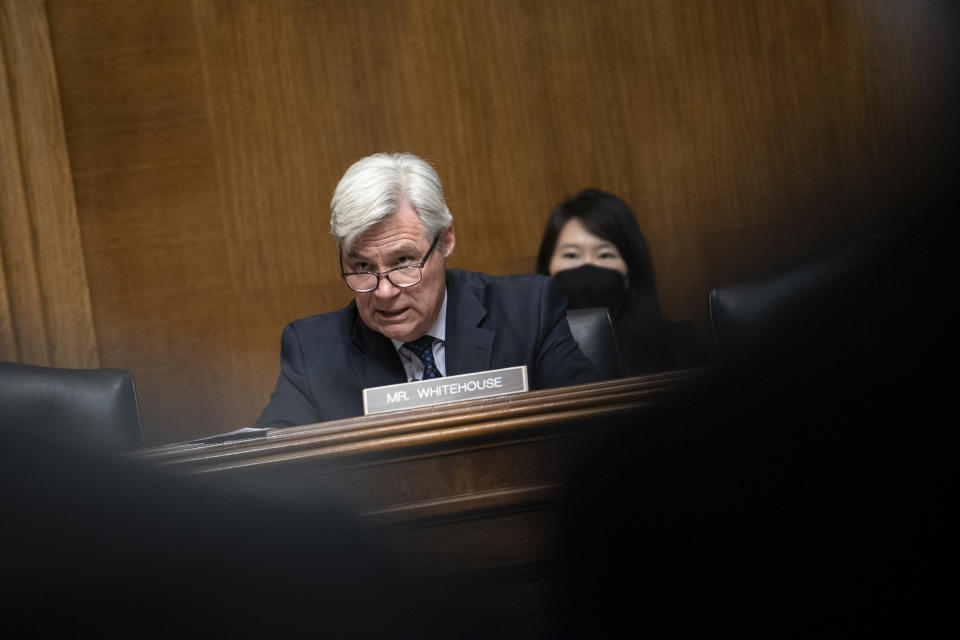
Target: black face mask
(590, 286)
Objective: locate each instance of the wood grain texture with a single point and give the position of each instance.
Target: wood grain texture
(11, 200)
(45, 310)
(47, 286)
(206, 137)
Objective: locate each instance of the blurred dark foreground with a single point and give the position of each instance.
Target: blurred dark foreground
(802, 490)
(805, 490)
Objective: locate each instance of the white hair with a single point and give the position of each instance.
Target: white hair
(375, 187)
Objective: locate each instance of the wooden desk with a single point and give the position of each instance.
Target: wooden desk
(464, 491)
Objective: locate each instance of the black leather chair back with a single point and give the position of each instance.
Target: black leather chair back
(95, 407)
(795, 303)
(593, 330)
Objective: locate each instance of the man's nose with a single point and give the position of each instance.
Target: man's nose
(385, 288)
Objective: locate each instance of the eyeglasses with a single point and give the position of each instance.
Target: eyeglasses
(403, 277)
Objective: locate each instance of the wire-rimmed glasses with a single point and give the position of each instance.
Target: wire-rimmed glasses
(403, 277)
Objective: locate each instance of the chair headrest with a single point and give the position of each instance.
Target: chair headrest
(97, 407)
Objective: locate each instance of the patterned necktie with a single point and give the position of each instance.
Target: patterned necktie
(422, 347)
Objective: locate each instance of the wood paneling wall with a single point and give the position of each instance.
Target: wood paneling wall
(45, 312)
(206, 136)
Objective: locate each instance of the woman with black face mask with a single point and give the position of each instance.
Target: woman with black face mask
(593, 246)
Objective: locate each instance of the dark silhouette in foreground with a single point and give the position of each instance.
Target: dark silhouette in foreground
(115, 548)
(801, 491)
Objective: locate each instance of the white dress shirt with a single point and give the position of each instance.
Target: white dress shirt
(411, 363)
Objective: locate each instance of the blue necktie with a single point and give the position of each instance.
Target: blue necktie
(422, 347)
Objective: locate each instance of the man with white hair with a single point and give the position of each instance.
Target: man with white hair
(412, 318)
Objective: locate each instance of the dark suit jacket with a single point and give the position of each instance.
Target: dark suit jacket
(492, 323)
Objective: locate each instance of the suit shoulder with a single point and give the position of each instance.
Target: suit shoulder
(332, 320)
(524, 282)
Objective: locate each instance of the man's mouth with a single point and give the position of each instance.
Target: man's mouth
(390, 315)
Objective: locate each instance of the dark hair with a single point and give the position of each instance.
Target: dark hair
(607, 216)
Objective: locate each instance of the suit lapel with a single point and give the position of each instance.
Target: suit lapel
(468, 346)
(377, 364)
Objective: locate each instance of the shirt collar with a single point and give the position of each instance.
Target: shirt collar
(439, 328)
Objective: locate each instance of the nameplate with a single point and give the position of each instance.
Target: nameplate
(426, 393)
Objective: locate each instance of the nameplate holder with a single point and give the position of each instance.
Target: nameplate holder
(427, 393)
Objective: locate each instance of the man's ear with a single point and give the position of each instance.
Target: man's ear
(449, 239)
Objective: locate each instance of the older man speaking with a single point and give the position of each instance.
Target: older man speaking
(412, 318)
